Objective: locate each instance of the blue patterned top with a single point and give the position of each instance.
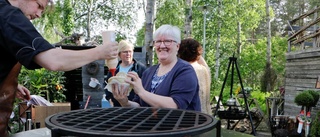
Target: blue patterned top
(156, 80)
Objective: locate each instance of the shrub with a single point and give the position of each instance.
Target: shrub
(45, 83)
(315, 127)
(315, 96)
(304, 99)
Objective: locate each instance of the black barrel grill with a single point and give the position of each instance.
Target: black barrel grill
(131, 122)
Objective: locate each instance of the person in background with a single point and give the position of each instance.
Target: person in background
(126, 64)
(22, 44)
(172, 83)
(191, 51)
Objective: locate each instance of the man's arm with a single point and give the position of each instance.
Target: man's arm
(58, 59)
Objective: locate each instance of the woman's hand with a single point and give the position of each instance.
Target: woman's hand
(120, 94)
(135, 81)
(23, 93)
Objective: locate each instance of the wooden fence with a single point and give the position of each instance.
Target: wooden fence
(302, 59)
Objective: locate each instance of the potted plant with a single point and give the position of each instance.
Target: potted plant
(306, 99)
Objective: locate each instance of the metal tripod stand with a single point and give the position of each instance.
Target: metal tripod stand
(232, 113)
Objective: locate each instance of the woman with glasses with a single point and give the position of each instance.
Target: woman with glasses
(126, 64)
(191, 50)
(172, 83)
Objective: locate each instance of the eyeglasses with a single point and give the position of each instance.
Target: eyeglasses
(165, 42)
(128, 51)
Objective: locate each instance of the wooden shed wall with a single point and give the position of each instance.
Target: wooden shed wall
(302, 72)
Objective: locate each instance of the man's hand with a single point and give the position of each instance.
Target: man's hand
(23, 93)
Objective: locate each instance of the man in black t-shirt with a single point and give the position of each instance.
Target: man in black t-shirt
(21, 42)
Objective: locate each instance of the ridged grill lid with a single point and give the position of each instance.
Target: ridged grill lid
(121, 121)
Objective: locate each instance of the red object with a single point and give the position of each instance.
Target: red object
(302, 113)
(113, 71)
(85, 107)
(308, 114)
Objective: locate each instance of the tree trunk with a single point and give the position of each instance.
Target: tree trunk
(150, 18)
(89, 19)
(188, 19)
(268, 84)
(216, 75)
(239, 35)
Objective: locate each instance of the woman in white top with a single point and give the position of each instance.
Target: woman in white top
(191, 50)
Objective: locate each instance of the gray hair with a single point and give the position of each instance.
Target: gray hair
(168, 30)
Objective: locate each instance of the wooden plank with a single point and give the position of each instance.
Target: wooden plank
(302, 76)
(295, 28)
(306, 70)
(314, 58)
(290, 80)
(310, 52)
(303, 85)
(304, 15)
(304, 62)
(306, 86)
(306, 37)
(302, 71)
(304, 28)
(306, 55)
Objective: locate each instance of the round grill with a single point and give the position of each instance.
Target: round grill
(120, 121)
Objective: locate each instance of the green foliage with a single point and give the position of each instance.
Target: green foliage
(13, 122)
(48, 84)
(304, 99)
(67, 19)
(268, 79)
(174, 16)
(307, 98)
(96, 15)
(315, 96)
(251, 61)
(88, 17)
(253, 58)
(315, 126)
(249, 13)
(50, 22)
(261, 98)
(140, 37)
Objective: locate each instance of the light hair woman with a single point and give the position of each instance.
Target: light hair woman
(172, 83)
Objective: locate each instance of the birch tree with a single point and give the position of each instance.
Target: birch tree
(149, 28)
(239, 33)
(188, 19)
(90, 17)
(269, 77)
(217, 66)
(268, 33)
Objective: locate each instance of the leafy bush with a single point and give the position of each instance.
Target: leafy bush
(48, 84)
(261, 98)
(304, 99)
(315, 128)
(315, 96)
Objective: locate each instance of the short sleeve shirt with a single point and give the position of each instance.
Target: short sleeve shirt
(19, 40)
